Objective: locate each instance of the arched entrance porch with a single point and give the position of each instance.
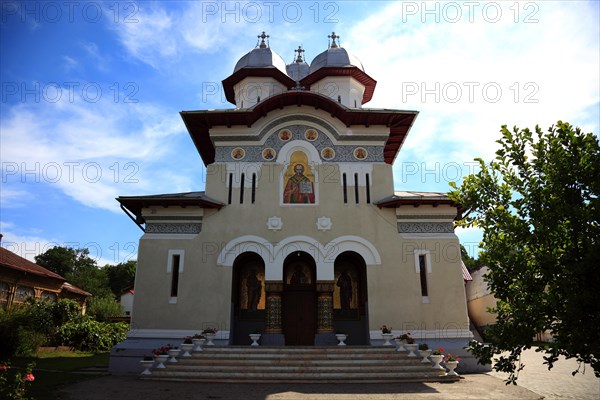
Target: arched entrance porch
(299, 300)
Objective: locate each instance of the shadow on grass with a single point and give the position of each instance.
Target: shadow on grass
(53, 370)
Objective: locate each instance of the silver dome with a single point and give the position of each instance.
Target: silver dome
(261, 58)
(297, 71)
(335, 57)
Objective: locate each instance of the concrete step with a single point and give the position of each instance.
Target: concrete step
(299, 364)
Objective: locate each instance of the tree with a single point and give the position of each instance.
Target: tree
(471, 263)
(537, 204)
(121, 276)
(65, 260)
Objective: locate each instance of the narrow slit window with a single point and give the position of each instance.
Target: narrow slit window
(368, 188)
(242, 188)
(253, 188)
(356, 188)
(175, 275)
(345, 187)
(423, 273)
(230, 188)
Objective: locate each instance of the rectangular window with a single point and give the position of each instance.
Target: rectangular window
(368, 189)
(423, 273)
(230, 188)
(175, 263)
(242, 189)
(253, 188)
(356, 188)
(175, 275)
(345, 186)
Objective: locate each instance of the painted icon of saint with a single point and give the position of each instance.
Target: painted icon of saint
(345, 284)
(299, 189)
(311, 135)
(254, 289)
(285, 135)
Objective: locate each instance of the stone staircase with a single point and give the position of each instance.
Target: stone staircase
(366, 364)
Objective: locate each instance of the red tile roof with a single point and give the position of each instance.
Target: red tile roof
(465, 272)
(12, 260)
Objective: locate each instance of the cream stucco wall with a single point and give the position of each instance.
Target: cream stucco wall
(393, 282)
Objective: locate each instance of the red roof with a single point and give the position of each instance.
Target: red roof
(199, 123)
(465, 272)
(12, 260)
(74, 289)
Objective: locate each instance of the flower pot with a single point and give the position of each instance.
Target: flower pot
(387, 337)
(341, 337)
(412, 348)
(161, 359)
(451, 365)
(187, 348)
(425, 354)
(436, 359)
(147, 364)
(198, 344)
(173, 353)
(400, 343)
(209, 338)
(254, 337)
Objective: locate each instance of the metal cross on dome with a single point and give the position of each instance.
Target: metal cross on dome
(263, 36)
(333, 36)
(300, 57)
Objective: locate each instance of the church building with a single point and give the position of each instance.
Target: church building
(299, 232)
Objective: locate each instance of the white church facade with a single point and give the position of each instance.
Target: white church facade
(299, 232)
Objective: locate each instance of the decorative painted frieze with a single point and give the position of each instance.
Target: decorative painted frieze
(425, 227)
(188, 228)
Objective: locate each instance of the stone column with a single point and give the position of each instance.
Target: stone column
(273, 334)
(325, 333)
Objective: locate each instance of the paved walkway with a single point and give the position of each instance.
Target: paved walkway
(558, 383)
(535, 382)
(474, 387)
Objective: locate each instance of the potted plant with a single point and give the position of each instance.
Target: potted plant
(161, 355)
(187, 346)
(451, 362)
(255, 336)
(147, 363)
(210, 334)
(341, 336)
(402, 340)
(198, 340)
(411, 346)
(387, 335)
(424, 352)
(173, 353)
(436, 357)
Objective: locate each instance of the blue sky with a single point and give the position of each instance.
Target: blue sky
(91, 93)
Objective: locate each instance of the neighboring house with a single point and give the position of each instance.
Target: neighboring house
(299, 231)
(127, 301)
(479, 299)
(21, 279)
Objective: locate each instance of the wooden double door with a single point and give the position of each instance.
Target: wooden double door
(299, 301)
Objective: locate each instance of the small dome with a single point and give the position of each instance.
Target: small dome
(261, 57)
(299, 68)
(335, 57)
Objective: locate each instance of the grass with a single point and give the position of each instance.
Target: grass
(53, 369)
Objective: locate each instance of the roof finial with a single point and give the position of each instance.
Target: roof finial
(263, 45)
(333, 36)
(300, 58)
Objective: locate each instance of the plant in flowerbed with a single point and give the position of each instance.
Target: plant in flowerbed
(386, 333)
(187, 346)
(451, 361)
(161, 355)
(424, 352)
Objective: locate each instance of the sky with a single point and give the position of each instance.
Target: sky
(91, 94)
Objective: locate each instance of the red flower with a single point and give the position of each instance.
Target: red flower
(30, 377)
(3, 368)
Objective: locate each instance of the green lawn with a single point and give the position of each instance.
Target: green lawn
(56, 368)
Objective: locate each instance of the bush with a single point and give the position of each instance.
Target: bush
(102, 308)
(16, 325)
(86, 334)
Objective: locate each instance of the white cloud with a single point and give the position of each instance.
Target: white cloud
(92, 152)
(546, 61)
